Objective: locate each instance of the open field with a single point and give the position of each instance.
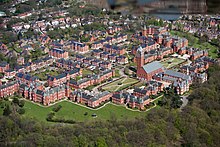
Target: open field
(194, 42)
(119, 84)
(77, 113)
(171, 62)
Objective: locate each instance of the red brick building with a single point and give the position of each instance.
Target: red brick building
(64, 77)
(45, 96)
(58, 53)
(93, 101)
(77, 46)
(147, 71)
(26, 78)
(152, 88)
(94, 79)
(9, 89)
(3, 67)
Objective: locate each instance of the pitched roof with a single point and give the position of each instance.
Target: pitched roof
(152, 66)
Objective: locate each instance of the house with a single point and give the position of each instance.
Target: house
(92, 79)
(20, 60)
(151, 88)
(105, 64)
(77, 46)
(9, 89)
(63, 78)
(178, 80)
(130, 100)
(58, 53)
(122, 59)
(4, 66)
(10, 73)
(118, 98)
(67, 64)
(198, 54)
(45, 96)
(137, 102)
(96, 53)
(26, 78)
(92, 101)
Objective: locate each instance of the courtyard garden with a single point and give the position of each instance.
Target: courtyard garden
(171, 62)
(43, 73)
(120, 84)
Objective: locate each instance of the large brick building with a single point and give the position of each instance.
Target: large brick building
(45, 96)
(64, 77)
(3, 67)
(92, 80)
(58, 53)
(147, 71)
(77, 46)
(8, 89)
(93, 101)
(131, 100)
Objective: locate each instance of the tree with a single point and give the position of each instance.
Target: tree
(7, 111)
(21, 103)
(15, 100)
(21, 111)
(101, 142)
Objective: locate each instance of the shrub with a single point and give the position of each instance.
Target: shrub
(50, 116)
(57, 108)
(21, 111)
(21, 103)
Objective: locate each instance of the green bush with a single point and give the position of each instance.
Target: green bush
(21, 111)
(57, 108)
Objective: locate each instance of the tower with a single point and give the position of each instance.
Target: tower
(140, 57)
(144, 31)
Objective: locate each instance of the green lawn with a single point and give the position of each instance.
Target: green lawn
(194, 42)
(75, 112)
(43, 75)
(119, 84)
(117, 73)
(174, 62)
(86, 72)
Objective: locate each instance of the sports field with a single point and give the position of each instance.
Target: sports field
(119, 84)
(171, 62)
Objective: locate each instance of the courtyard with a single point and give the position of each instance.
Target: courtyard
(171, 62)
(120, 84)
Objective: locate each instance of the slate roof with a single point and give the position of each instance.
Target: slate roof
(150, 67)
(8, 84)
(177, 74)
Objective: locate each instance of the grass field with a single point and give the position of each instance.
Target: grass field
(171, 62)
(75, 112)
(86, 72)
(194, 42)
(119, 84)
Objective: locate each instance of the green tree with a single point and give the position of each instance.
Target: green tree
(101, 142)
(7, 111)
